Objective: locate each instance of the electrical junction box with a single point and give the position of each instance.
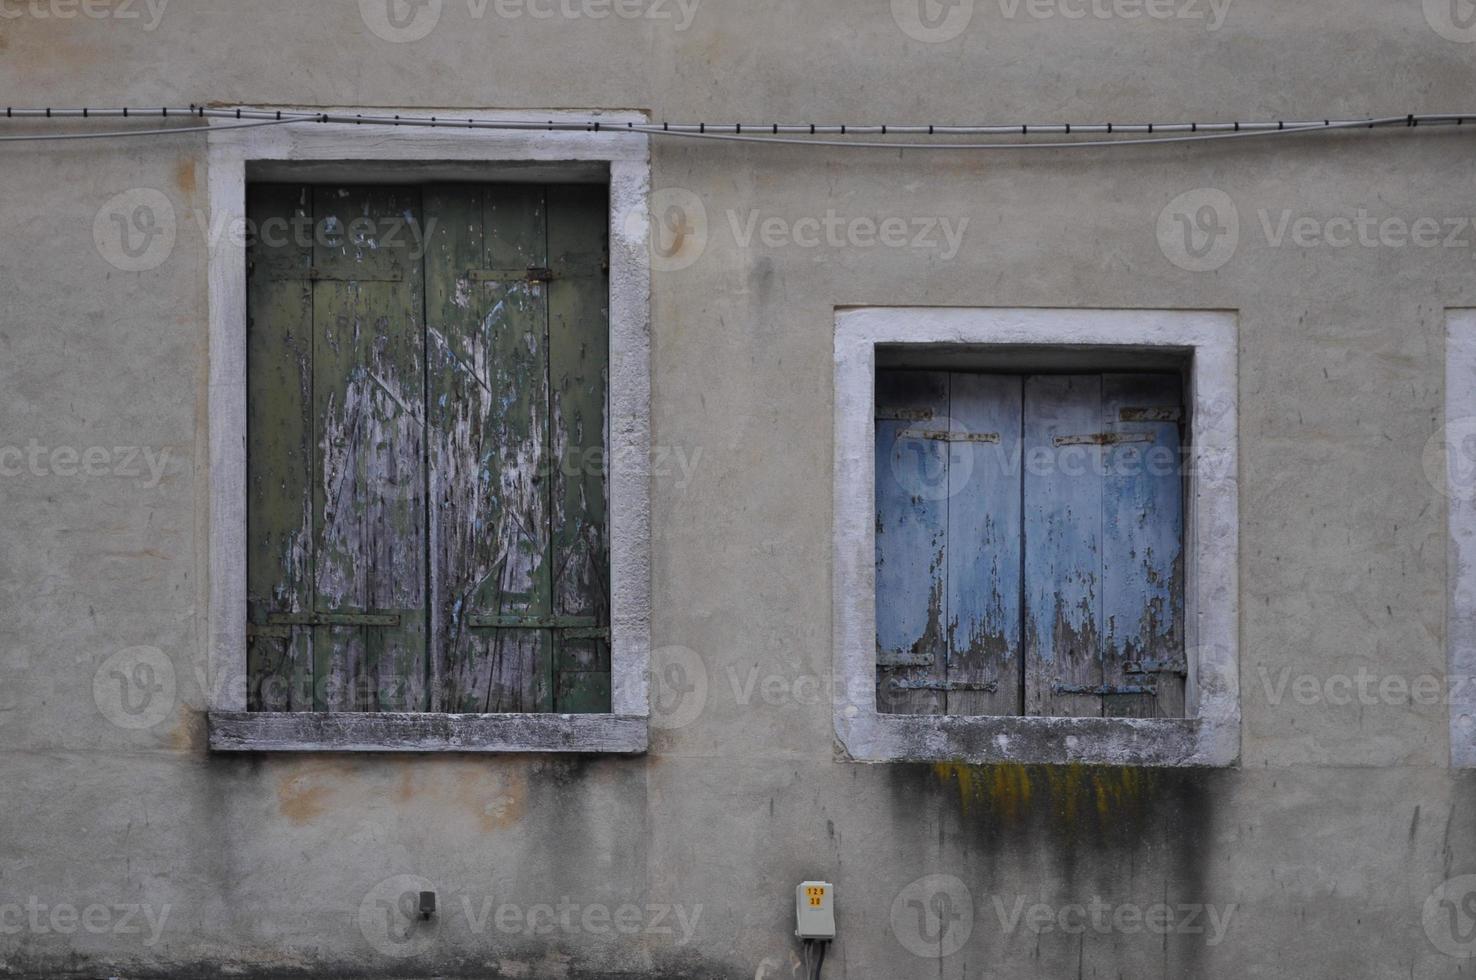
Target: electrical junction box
(814, 910)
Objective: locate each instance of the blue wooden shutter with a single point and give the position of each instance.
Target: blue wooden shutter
(948, 543)
(1029, 544)
(1104, 546)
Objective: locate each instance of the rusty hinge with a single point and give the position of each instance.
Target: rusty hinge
(1102, 439)
(1161, 414)
(1102, 690)
(317, 274)
(905, 415)
(925, 685)
(1156, 667)
(534, 273)
(948, 435)
(333, 619)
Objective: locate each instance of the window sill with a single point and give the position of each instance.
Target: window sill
(872, 737)
(262, 731)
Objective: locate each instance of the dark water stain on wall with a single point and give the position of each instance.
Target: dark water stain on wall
(1067, 834)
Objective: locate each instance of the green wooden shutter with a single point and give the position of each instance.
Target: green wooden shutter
(518, 333)
(426, 434)
(279, 449)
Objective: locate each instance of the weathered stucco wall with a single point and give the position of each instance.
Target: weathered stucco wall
(130, 850)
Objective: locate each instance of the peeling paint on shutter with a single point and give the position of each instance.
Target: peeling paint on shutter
(369, 481)
(579, 356)
(911, 542)
(415, 542)
(984, 555)
(489, 515)
(1063, 545)
(279, 446)
(1029, 544)
(1142, 546)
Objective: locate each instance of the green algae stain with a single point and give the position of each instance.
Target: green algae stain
(1075, 794)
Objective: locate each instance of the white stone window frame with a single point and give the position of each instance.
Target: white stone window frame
(1206, 341)
(1447, 449)
(315, 152)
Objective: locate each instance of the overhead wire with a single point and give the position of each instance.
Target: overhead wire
(940, 137)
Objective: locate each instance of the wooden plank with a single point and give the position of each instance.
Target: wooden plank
(578, 351)
(416, 732)
(369, 488)
(462, 560)
(1142, 543)
(911, 541)
(279, 445)
(1063, 544)
(984, 544)
(488, 431)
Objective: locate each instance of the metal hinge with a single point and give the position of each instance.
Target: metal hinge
(905, 415)
(282, 624)
(944, 435)
(1102, 439)
(1156, 667)
(534, 273)
(901, 685)
(317, 274)
(1150, 415)
(1102, 690)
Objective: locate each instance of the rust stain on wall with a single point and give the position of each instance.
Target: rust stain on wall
(188, 733)
(303, 793)
(493, 800)
(184, 176)
(496, 807)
